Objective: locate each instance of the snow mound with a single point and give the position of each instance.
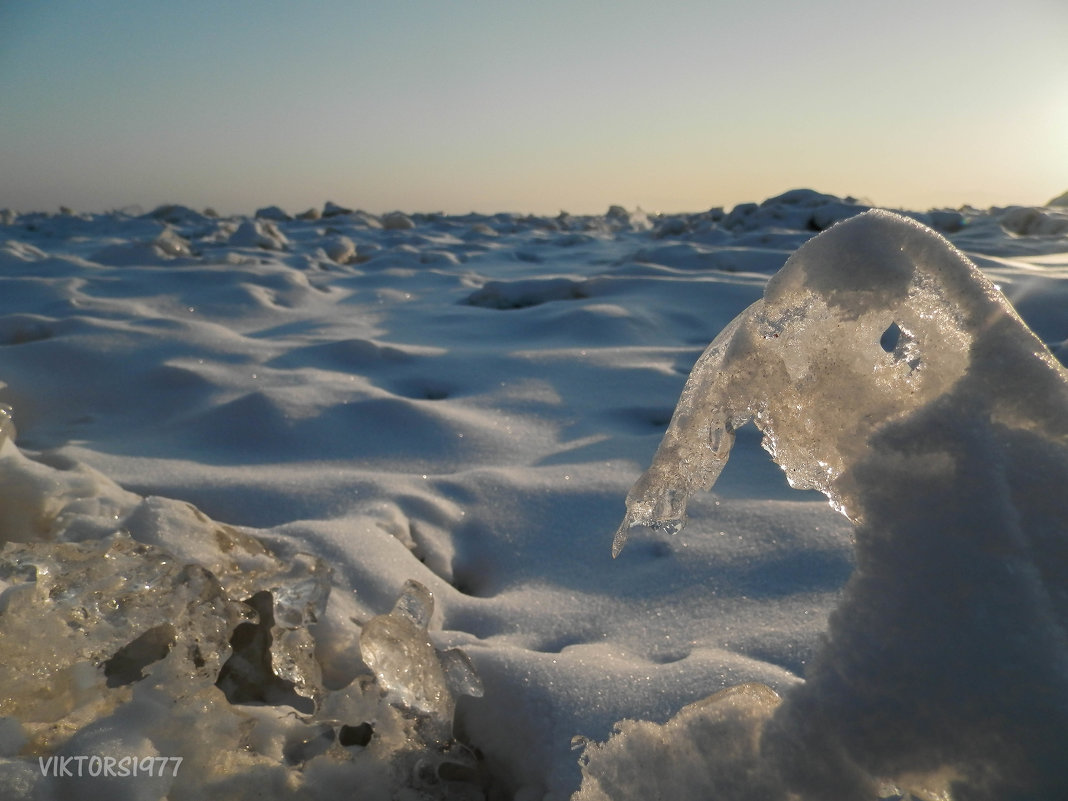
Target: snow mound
(167, 246)
(1032, 221)
(397, 221)
(258, 234)
(273, 213)
(1060, 200)
(687, 752)
(798, 209)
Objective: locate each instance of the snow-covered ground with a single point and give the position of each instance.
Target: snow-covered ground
(235, 443)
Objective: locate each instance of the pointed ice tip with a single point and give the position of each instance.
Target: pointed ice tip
(671, 525)
(415, 604)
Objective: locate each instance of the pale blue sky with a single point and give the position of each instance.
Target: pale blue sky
(536, 106)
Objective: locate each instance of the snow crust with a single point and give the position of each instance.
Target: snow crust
(320, 503)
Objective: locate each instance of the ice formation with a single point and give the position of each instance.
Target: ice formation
(886, 371)
(414, 675)
(140, 628)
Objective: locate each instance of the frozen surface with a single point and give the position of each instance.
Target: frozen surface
(321, 503)
(886, 371)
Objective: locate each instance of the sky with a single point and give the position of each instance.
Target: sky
(464, 105)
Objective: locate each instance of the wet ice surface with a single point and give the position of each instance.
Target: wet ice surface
(323, 506)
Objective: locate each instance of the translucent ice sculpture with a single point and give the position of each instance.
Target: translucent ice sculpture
(866, 324)
(886, 371)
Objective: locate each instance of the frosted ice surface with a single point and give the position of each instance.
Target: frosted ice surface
(886, 371)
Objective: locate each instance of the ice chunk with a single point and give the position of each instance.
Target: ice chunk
(288, 592)
(167, 245)
(135, 643)
(1031, 221)
(40, 502)
(95, 613)
(340, 249)
(175, 214)
(272, 213)
(397, 648)
(397, 221)
(259, 234)
(331, 209)
(886, 371)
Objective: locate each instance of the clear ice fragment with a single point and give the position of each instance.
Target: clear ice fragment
(415, 604)
(397, 649)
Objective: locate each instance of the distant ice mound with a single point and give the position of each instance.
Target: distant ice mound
(1060, 200)
(1031, 221)
(886, 371)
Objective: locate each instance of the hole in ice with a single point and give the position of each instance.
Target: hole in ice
(129, 662)
(901, 344)
(247, 676)
(355, 735)
(888, 341)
